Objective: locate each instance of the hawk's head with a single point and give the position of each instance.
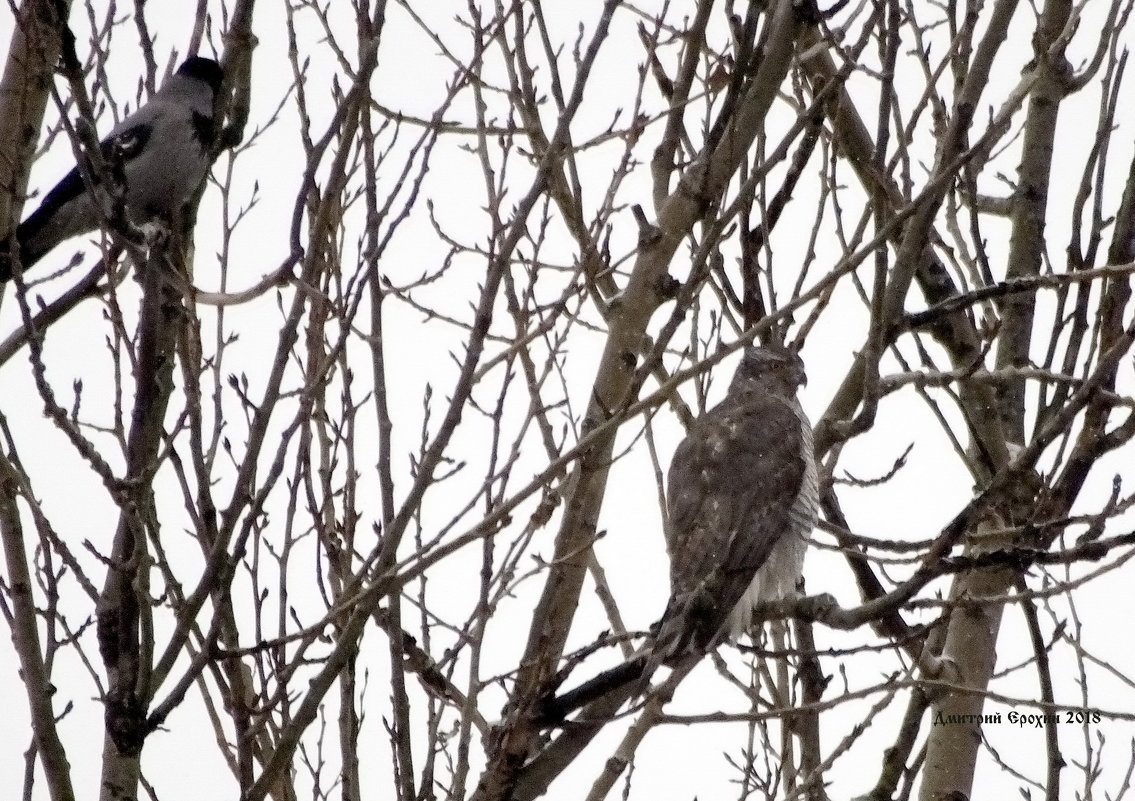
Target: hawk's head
(771, 368)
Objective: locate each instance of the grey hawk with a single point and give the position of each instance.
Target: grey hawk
(742, 498)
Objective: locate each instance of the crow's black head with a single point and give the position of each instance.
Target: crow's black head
(203, 69)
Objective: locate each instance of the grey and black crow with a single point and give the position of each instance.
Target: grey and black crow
(161, 153)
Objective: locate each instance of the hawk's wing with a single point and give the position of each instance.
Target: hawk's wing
(732, 484)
